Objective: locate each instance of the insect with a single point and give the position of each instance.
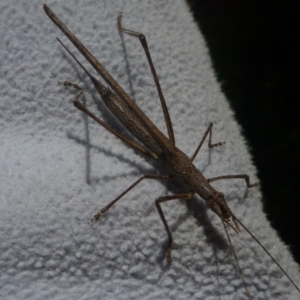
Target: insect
(154, 144)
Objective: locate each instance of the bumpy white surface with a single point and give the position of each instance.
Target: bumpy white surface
(58, 168)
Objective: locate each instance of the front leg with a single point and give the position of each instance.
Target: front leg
(240, 176)
(161, 214)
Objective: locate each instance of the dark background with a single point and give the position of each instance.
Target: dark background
(254, 46)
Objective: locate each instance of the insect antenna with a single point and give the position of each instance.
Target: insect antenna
(235, 257)
(269, 254)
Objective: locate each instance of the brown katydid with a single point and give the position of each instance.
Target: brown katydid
(153, 143)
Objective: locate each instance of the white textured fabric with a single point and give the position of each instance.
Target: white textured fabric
(58, 168)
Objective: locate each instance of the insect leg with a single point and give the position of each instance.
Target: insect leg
(85, 110)
(240, 176)
(147, 176)
(161, 214)
(210, 145)
(143, 41)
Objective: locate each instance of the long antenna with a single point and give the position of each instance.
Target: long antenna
(236, 260)
(270, 255)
